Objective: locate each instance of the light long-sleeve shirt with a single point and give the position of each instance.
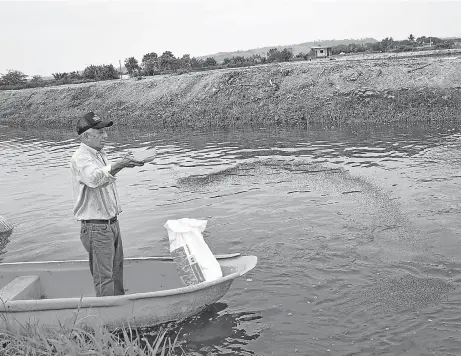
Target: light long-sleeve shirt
(94, 190)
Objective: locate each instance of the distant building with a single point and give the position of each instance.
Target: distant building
(320, 52)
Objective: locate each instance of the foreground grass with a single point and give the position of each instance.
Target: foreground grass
(38, 341)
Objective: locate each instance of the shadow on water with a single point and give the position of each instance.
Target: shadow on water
(212, 331)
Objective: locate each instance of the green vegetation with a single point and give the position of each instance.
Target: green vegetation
(388, 44)
(131, 65)
(13, 77)
(167, 63)
(76, 341)
(411, 44)
(103, 72)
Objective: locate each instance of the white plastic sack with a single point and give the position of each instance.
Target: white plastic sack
(194, 260)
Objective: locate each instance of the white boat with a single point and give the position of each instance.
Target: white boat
(61, 293)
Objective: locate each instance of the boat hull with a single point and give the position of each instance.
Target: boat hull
(134, 309)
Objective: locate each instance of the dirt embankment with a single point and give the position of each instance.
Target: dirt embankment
(334, 93)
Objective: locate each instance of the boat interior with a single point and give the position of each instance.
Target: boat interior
(50, 280)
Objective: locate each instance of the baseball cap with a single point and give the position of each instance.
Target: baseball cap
(91, 121)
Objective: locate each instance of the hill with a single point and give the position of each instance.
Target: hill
(296, 48)
(354, 91)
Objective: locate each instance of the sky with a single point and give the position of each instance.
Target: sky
(45, 37)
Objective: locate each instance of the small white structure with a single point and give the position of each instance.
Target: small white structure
(321, 52)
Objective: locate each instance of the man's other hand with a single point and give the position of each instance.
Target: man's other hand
(129, 161)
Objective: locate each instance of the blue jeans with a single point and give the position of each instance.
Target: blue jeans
(103, 243)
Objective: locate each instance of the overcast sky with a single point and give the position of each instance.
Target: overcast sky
(44, 37)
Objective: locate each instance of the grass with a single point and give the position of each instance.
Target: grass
(45, 83)
(88, 340)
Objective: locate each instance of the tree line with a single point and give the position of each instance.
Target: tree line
(388, 44)
(153, 64)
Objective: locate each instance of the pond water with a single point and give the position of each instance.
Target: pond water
(357, 233)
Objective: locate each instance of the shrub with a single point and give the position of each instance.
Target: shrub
(210, 62)
(36, 79)
(13, 77)
(275, 55)
(58, 76)
(75, 75)
(101, 72)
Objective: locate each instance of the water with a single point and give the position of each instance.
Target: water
(357, 233)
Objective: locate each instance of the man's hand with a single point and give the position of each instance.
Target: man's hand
(126, 162)
(129, 161)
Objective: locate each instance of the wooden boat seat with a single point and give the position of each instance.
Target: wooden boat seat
(22, 288)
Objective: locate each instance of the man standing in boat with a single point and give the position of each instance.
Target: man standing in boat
(97, 204)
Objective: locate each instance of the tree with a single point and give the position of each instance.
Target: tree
(75, 75)
(37, 79)
(258, 59)
(58, 76)
(238, 61)
(210, 62)
(387, 43)
(90, 72)
(13, 77)
(422, 40)
(131, 65)
(186, 61)
(274, 55)
(411, 37)
(107, 72)
(167, 60)
(196, 63)
(101, 72)
(150, 63)
(175, 64)
(286, 55)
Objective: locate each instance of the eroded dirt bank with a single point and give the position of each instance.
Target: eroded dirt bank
(334, 93)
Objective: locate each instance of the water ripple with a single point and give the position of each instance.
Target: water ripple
(356, 233)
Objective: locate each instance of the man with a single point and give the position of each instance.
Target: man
(97, 204)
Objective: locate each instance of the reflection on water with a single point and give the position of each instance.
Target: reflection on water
(216, 331)
(356, 232)
(213, 331)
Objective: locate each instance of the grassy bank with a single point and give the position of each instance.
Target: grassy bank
(76, 341)
(330, 93)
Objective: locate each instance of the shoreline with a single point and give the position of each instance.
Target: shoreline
(336, 93)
